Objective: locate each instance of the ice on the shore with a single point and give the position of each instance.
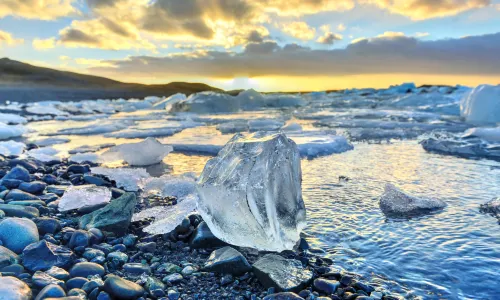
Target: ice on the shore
(292, 127)
(395, 202)
(84, 195)
(85, 157)
(169, 102)
(145, 153)
(265, 125)
(129, 179)
(167, 218)
(312, 146)
(12, 119)
(484, 133)
(51, 141)
(45, 108)
(90, 148)
(11, 131)
(233, 127)
(144, 133)
(44, 154)
(250, 194)
(481, 105)
(462, 147)
(99, 127)
(179, 187)
(11, 148)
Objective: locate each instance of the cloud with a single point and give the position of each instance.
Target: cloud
(41, 44)
(38, 9)
(426, 9)
(329, 38)
(421, 34)
(299, 30)
(303, 7)
(477, 55)
(341, 27)
(6, 39)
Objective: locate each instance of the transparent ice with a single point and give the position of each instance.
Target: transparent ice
(145, 153)
(250, 194)
(84, 195)
(129, 179)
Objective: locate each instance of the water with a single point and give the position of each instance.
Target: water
(451, 254)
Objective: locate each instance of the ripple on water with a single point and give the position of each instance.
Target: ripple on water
(452, 254)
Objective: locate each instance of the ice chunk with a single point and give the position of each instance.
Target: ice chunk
(264, 125)
(11, 131)
(314, 145)
(166, 217)
(179, 187)
(51, 141)
(144, 133)
(233, 127)
(12, 119)
(11, 148)
(44, 154)
(481, 105)
(292, 127)
(45, 108)
(169, 102)
(148, 152)
(487, 134)
(207, 102)
(395, 202)
(284, 100)
(90, 148)
(129, 179)
(461, 147)
(96, 128)
(84, 195)
(250, 194)
(85, 157)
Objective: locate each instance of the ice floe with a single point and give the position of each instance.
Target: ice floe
(11, 148)
(482, 105)
(12, 119)
(145, 153)
(84, 195)
(129, 179)
(11, 131)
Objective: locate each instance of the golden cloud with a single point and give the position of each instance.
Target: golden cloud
(7, 39)
(299, 30)
(38, 9)
(44, 44)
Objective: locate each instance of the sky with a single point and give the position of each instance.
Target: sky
(268, 45)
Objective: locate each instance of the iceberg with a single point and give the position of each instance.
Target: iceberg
(84, 195)
(395, 202)
(11, 148)
(486, 134)
(481, 105)
(145, 153)
(129, 179)
(169, 102)
(250, 194)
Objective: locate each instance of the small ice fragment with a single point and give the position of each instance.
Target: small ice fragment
(44, 154)
(12, 119)
(250, 194)
(11, 148)
(179, 187)
(84, 195)
(11, 131)
(129, 179)
(148, 152)
(395, 202)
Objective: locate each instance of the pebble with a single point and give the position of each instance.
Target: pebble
(19, 211)
(7, 257)
(19, 173)
(47, 225)
(58, 273)
(51, 291)
(34, 187)
(15, 289)
(147, 247)
(137, 268)
(80, 238)
(41, 279)
(173, 278)
(326, 286)
(85, 269)
(44, 255)
(122, 289)
(17, 233)
(76, 283)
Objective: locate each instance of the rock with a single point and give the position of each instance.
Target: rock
(283, 296)
(346, 280)
(15, 269)
(91, 253)
(48, 225)
(116, 260)
(11, 183)
(491, 207)
(129, 240)
(34, 187)
(17, 195)
(103, 296)
(78, 169)
(395, 202)
(262, 207)
(326, 286)
(136, 268)
(122, 289)
(19, 211)
(76, 283)
(168, 268)
(85, 269)
(58, 273)
(286, 275)
(94, 282)
(188, 271)
(115, 217)
(80, 238)
(227, 260)
(44, 255)
(57, 189)
(12, 288)
(204, 238)
(90, 179)
(172, 278)
(18, 173)
(7, 257)
(152, 284)
(91, 208)
(147, 247)
(16, 233)
(364, 287)
(51, 291)
(41, 279)
(75, 294)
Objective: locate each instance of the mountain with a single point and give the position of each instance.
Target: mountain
(26, 83)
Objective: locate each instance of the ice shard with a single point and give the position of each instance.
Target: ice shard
(84, 195)
(250, 194)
